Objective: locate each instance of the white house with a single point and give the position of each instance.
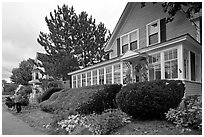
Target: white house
(173, 50)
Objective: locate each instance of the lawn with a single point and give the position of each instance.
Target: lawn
(41, 121)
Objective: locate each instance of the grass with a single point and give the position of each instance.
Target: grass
(41, 121)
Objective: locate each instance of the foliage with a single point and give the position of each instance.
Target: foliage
(25, 92)
(84, 100)
(46, 95)
(9, 88)
(189, 8)
(73, 40)
(188, 117)
(98, 124)
(150, 99)
(23, 74)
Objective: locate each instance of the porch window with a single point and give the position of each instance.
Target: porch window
(117, 74)
(94, 77)
(153, 32)
(101, 76)
(78, 81)
(109, 75)
(154, 67)
(74, 82)
(83, 80)
(171, 64)
(88, 78)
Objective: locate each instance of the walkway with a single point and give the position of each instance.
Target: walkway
(12, 125)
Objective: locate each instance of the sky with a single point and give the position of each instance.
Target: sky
(22, 22)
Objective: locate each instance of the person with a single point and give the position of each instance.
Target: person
(18, 98)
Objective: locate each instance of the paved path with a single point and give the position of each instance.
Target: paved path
(12, 125)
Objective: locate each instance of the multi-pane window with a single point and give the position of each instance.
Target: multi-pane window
(78, 81)
(101, 76)
(171, 64)
(154, 67)
(74, 82)
(94, 77)
(124, 43)
(130, 41)
(83, 80)
(153, 32)
(109, 75)
(117, 74)
(88, 78)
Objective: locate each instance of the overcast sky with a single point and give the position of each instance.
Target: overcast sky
(23, 20)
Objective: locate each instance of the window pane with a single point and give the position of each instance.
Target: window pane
(133, 36)
(125, 40)
(79, 80)
(109, 75)
(133, 45)
(101, 76)
(117, 74)
(83, 80)
(151, 73)
(124, 48)
(88, 78)
(174, 67)
(157, 71)
(153, 38)
(94, 77)
(167, 70)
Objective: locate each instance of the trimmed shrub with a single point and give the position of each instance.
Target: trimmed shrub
(150, 99)
(84, 100)
(188, 117)
(46, 95)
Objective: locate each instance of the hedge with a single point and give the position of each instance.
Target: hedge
(151, 99)
(84, 100)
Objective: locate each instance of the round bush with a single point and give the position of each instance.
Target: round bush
(151, 99)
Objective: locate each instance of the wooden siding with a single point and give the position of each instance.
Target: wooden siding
(193, 88)
(139, 17)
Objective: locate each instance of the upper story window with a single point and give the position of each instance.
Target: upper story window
(153, 32)
(129, 41)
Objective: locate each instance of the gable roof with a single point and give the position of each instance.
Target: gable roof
(122, 19)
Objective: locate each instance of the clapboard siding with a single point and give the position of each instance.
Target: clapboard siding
(139, 17)
(193, 88)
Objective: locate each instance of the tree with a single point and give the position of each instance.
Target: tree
(23, 74)
(73, 40)
(189, 8)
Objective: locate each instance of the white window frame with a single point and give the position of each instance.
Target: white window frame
(83, 78)
(172, 60)
(74, 81)
(147, 31)
(111, 72)
(101, 75)
(96, 77)
(156, 63)
(88, 78)
(128, 35)
(117, 71)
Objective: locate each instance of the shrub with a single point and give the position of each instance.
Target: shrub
(84, 100)
(150, 99)
(190, 116)
(98, 124)
(46, 95)
(9, 88)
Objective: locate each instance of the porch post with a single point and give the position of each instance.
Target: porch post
(121, 72)
(162, 66)
(180, 62)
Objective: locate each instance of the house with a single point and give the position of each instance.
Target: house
(142, 40)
